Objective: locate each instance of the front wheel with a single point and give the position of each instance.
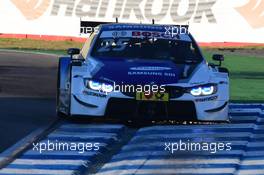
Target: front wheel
(63, 88)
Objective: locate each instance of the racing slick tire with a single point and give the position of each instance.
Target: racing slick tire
(62, 63)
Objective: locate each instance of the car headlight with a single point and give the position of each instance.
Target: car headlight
(203, 90)
(196, 91)
(107, 88)
(94, 85)
(99, 86)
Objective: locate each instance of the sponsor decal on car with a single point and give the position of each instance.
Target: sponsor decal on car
(94, 94)
(158, 96)
(163, 34)
(206, 99)
(150, 68)
(166, 74)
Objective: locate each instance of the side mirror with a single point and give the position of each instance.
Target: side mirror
(218, 57)
(73, 51)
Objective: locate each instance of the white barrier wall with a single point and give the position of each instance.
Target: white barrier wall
(209, 20)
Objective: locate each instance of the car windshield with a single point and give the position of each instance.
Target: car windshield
(177, 50)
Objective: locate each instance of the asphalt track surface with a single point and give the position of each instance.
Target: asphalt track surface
(27, 94)
(122, 149)
(125, 150)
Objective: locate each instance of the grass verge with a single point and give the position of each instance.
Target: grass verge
(246, 76)
(38, 45)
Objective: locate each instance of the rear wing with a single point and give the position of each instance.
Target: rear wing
(88, 27)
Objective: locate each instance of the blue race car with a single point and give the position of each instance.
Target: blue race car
(141, 71)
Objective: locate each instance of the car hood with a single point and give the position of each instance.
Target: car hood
(138, 71)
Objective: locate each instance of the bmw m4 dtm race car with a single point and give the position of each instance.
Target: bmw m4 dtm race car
(141, 71)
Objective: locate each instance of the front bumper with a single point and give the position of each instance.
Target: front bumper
(185, 108)
(148, 110)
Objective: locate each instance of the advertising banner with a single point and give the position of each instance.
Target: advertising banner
(209, 20)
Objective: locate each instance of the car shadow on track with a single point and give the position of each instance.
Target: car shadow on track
(19, 116)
